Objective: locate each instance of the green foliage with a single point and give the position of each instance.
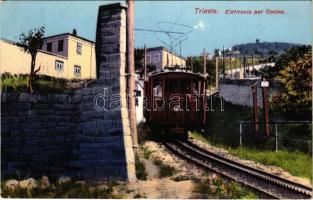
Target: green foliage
(139, 59)
(222, 121)
(217, 188)
(32, 41)
(297, 163)
(140, 169)
(290, 55)
(139, 196)
(196, 62)
(66, 190)
(165, 170)
(181, 178)
(43, 84)
(139, 62)
(146, 153)
(296, 79)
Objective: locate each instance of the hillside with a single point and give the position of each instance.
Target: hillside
(264, 49)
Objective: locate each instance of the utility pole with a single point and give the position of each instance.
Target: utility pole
(223, 63)
(216, 72)
(131, 72)
(145, 63)
(255, 107)
(252, 63)
(204, 55)
(265, 94)
(244, 66)
(191, 62)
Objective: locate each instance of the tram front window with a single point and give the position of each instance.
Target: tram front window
(157, 88)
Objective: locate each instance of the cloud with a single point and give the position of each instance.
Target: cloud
(201, 25)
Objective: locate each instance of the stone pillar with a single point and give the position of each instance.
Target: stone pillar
(105, 145)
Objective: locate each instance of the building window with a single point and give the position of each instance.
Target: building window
(59, 65)
(148, 58)
(156, 57)
(60, 45)
(77, 70)
(79, 48)
(49, 46)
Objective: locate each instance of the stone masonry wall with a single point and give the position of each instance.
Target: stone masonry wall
(84, 134)
(37, 132)
(104, 136)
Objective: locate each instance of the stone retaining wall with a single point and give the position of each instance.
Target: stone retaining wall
(37, 132)
(239, 91)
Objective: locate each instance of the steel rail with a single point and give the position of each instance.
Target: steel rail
(253, 171)
(208, 167)
(198, 155)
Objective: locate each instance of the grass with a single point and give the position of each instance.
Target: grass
(181, 178)
(217, 188)
(165, 170)
(296, 163)
(222, 130)
(146, 153)
(141, 172)
(41, 84)
(66, 190)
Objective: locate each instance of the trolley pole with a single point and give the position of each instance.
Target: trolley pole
(131, 72)
(145, 63)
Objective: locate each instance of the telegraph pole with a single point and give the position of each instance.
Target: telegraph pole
(145, 63)
(223, 63)
(265, 94)
(255, 107)
(252, 64)
(191, 62)
(204, 55)
(131, 72)
(244, 66)
(216, 72)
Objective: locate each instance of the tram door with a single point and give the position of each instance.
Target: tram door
(175, 101)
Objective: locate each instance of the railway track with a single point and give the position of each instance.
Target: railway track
(270, 185)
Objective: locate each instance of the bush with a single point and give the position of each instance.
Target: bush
(141, 173)
(41, 83)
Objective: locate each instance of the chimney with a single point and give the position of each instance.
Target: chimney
(74, 32)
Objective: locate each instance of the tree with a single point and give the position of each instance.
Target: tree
(31, 42)
(296, 94)
(283, 60)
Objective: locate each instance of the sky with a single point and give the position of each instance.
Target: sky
(209, 31)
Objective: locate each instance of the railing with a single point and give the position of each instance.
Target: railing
(284, 134)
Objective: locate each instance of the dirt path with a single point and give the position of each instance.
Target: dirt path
(162, 188)
(155, 187)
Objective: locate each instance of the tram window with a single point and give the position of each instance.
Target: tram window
(157, 88)
(184, 85)
(171, 86)
(195, 87)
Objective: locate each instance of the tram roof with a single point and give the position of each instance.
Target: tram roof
(177, 71)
